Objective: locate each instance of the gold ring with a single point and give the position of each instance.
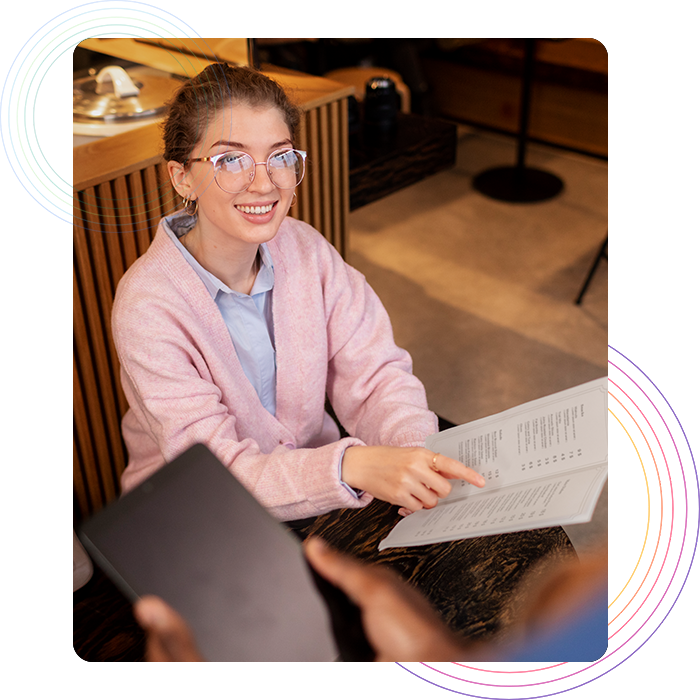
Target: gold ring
(433, 466)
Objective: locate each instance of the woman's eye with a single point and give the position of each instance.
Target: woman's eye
(281, 158)
(230, 158)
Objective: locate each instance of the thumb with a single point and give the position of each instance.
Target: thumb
(168, 636)
(339, 569)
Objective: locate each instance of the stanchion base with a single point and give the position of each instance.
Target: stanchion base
(511, 184)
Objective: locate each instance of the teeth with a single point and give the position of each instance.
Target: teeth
(255, 210)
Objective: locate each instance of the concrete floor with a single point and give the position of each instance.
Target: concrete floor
(481, 292)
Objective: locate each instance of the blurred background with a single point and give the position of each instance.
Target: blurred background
(482, 291)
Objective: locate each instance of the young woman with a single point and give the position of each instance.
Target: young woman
(238, 322)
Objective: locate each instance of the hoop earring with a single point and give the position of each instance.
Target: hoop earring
(187, 203)
(294, 199)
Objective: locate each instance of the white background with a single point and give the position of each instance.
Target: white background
(652, 271)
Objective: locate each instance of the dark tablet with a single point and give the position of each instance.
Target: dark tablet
(194, 536)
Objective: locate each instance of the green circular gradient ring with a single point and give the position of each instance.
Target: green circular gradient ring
(37, 96)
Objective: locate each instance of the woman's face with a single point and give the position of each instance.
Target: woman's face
(224, 217)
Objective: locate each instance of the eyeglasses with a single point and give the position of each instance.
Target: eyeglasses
(235, 171)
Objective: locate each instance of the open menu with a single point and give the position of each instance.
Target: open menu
(545, 463)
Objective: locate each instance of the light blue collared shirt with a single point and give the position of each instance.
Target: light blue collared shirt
(247, 317)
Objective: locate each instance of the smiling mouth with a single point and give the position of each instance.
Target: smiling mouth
(256, 210)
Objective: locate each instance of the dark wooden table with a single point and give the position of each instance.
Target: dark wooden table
(470, 582)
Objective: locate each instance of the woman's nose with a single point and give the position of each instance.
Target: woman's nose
(261, 180)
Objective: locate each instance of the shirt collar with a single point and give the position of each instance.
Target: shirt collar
(177, 225)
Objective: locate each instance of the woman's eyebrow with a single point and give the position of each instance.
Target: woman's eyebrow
(240, 146)
(233, 144)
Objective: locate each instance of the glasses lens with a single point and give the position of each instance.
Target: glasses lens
(286, 169)
(236, 172)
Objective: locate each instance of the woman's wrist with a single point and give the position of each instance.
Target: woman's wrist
(349, 466)
(359, 466)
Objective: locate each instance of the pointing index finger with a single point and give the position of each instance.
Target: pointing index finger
(453, 469)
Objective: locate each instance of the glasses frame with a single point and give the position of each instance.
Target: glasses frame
(214, 160)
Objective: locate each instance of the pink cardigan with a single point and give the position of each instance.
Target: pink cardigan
(184, 383)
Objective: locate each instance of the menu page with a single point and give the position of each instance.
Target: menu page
(564, 431)
(559, 500)
(545, 464)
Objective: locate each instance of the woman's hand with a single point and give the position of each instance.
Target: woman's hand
(411, 477)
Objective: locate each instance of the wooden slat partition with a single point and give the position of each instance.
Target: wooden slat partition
(114, 224)
(116, 212)
(324, 195)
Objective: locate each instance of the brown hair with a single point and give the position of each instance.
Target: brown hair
(198, 101)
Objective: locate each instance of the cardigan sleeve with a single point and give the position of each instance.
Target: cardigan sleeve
(175, 403)
(371, 384)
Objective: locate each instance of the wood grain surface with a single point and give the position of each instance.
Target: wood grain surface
(470, 582)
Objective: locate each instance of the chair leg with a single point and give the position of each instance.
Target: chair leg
(602, 253)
